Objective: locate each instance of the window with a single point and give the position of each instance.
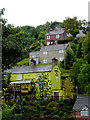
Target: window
(48, 37)
(56, 78)
(33, 56)
(84, 113)
(41, 84)
(38, 75)
(61, 58)
(45, 61)
(57, 36)
(44, 53)
(19, 77)
(48, 43)
(61, 51)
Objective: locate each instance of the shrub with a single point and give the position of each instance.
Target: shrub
(56, 117)
(53, 104)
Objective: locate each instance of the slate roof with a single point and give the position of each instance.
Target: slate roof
(80, 34)
(81, 101)
(55, 32)
(54, 47)
(29, 69)
(35, 53)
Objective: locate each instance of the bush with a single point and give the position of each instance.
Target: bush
(55, 117)
(24, 101)
(53, 104)
(7, 114)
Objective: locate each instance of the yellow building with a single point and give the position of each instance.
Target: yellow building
(26, 76)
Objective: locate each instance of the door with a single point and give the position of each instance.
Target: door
(56, 95)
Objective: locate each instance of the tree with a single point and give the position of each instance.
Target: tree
(35, 46)
(83, 76)
(44, 88)
(41, 36)
(72, 25)
(69, 58)
(86, 48)
(68, 85)
(79, 48)
(76, 70)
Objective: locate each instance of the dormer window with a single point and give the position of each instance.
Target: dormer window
(48, 37)
(57, 36)
(45, 53)
(84, 111)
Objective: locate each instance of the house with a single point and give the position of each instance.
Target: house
(52, 37)
(82, 107)
(26, 76)
(35, 56)
(46, 53)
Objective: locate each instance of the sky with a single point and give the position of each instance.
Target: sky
(38, 12)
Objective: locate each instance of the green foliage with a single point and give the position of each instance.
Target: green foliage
(76, 70)
(68, 85)
(53, 104)
(83, 77)
(35, 46)
(7, 113)
(70, 38)
(55, 117)
(86, 47)
(69, 58)
(79, 48)
(23, 62)
(44, 85)
(73, 46)
(71, 25)
(74, 32)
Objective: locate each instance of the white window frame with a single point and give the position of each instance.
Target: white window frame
(84, 113)
(48, 37)
(38, 75)
(61, 58)
(57, 36)
(33, 56)
(45, 61)
(56, 78)
(61, 51)
(48, 43)
(19, 77)
(45, 53)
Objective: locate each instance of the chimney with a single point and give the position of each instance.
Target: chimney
(32, 63)
(54, 61)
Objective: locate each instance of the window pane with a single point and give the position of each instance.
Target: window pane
(44, 53)
(48, 37)
(57, 36)
(18, 77)
(56, 78)
(38, 75)
(61, 58)
(44, 61)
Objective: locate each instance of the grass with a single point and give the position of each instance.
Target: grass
(23, 62)
(45, 64)
(65, 72)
